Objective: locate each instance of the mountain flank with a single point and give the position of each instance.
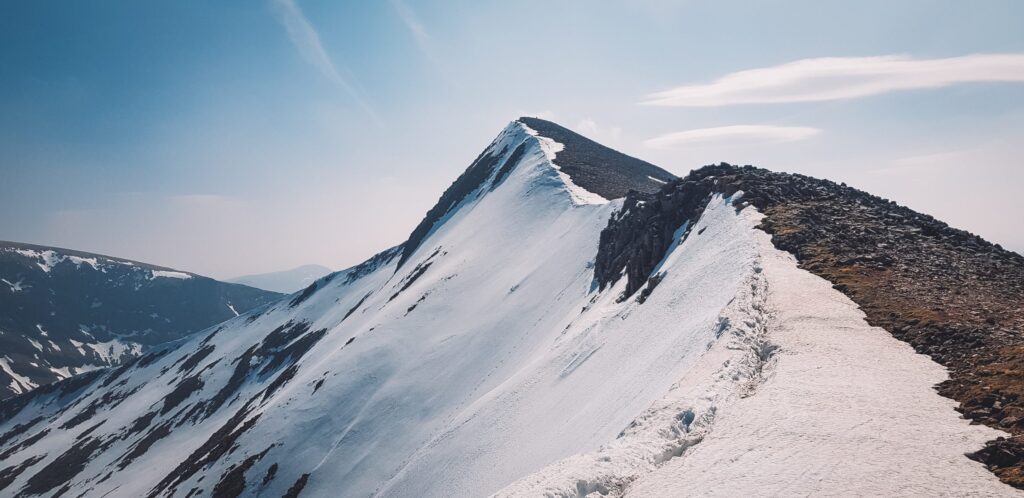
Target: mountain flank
(64, 312)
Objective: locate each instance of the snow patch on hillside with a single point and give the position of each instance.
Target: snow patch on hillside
(19, 383)
(78, 261)
(47, 259)
(169, 274)
(114, 350)
(35, 343)
(14, 286)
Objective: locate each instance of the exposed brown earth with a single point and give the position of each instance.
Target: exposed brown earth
(949, 293)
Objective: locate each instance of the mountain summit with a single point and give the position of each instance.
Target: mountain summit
(591, 172)
(569, 321)
(596, 168)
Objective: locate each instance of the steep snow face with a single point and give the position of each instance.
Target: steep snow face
(586, 375)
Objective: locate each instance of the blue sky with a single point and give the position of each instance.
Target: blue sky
(238, 137)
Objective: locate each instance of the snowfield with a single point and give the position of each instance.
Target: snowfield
(490, 363)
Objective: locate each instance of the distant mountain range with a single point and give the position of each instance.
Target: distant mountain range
(64, 312)
(286, 281)
(568, 321)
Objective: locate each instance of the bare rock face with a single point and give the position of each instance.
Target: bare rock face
(599, 169)
(948, 293)
(639, 235)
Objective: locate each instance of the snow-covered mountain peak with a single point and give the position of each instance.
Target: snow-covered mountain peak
(324, 381)
(593, 167)
(525, 342)
(550, 161)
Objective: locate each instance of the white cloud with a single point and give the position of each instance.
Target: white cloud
(424, 41)
(835, 78)
(608, 135)
(306, 39)
(586, 125)
(733, 135)
(408, 17)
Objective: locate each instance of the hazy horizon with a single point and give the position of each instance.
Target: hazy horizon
(243, 138)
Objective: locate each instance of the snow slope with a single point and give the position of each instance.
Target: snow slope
(487, 317)
(800, 397)
(845, 409)
(486, 360)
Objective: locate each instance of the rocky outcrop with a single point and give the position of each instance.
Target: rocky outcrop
(639, 235)
(603, 171)
(948, 293)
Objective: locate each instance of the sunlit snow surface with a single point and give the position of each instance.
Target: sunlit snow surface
(490, 362)
(799, 397)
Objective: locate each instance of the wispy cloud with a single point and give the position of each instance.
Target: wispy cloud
(733, 135)
(408, 17)
(610, 135)
(424, 42)
(835, 78)
(306, 39)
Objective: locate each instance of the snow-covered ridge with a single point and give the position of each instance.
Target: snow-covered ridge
(377, 336)
(785, 400)
(48, 258)
(595, 168)
(491, 361)
(516, 147)
(738, 357)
